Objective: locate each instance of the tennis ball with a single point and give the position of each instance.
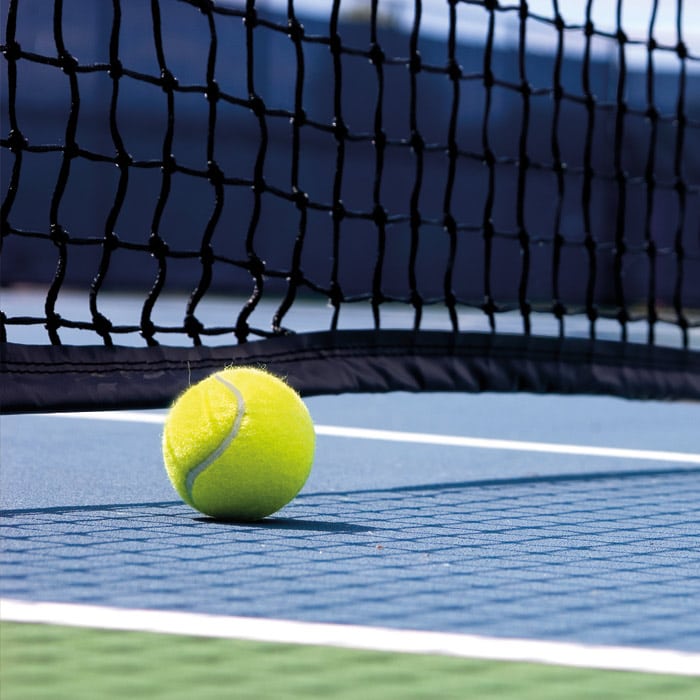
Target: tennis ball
(238, 445)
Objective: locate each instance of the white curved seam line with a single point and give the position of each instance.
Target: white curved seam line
(224, 444)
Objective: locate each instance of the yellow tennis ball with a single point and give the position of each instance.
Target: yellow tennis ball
(238, 445)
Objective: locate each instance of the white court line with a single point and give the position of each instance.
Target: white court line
(380, 639)
(437, 439)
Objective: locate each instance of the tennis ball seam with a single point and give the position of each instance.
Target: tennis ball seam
(224, 444)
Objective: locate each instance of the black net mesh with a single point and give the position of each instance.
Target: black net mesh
(488, 165)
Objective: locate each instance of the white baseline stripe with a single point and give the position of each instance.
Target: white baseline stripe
(443, 440)
(355, 637)
(519, 445)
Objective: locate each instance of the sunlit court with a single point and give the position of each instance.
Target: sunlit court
(350, 348)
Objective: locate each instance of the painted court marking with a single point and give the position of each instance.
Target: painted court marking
(380, 639)
(437, 439)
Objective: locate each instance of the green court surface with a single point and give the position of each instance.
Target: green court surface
(41, 662)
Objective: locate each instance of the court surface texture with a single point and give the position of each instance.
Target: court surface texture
(470, 515)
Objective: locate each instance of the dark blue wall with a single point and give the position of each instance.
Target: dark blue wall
(43, 106)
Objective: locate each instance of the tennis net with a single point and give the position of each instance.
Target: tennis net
(447, 195)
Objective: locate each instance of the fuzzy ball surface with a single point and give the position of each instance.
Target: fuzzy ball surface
(239, 445)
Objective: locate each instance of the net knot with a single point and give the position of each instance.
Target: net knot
(335, 294)
(168, 82)
(380, 216)
(454, 70)
(256, 266)
(242, 330)
(259, 184)
(296, 277)
(376, 55)
(68, 63)
(215, 174)
(53, 321)
(301, 199)
(299, 118)
(415, 65)
(416, 219)
(123, 160)
(417, 142)
(58, 234)
(251, 16)
(116, 69)
(489, 306)
(205, 6)
(103, 326)
(206, 255)
(169, 165)
(295, 30)
(12, 51)
(339, 212)
(213, 91)
(681, 50)
(16, 141)
(111, 242)
(559, 309)
(71, 150)
(157, 246)
(335, 45)
(416, 299)
(148, 331)
(340, 129)
(257, 105)
(193, 326)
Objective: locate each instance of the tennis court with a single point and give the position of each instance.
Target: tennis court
(464, 525)
(497, 336)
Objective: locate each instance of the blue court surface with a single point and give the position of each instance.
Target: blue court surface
(477, 514)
